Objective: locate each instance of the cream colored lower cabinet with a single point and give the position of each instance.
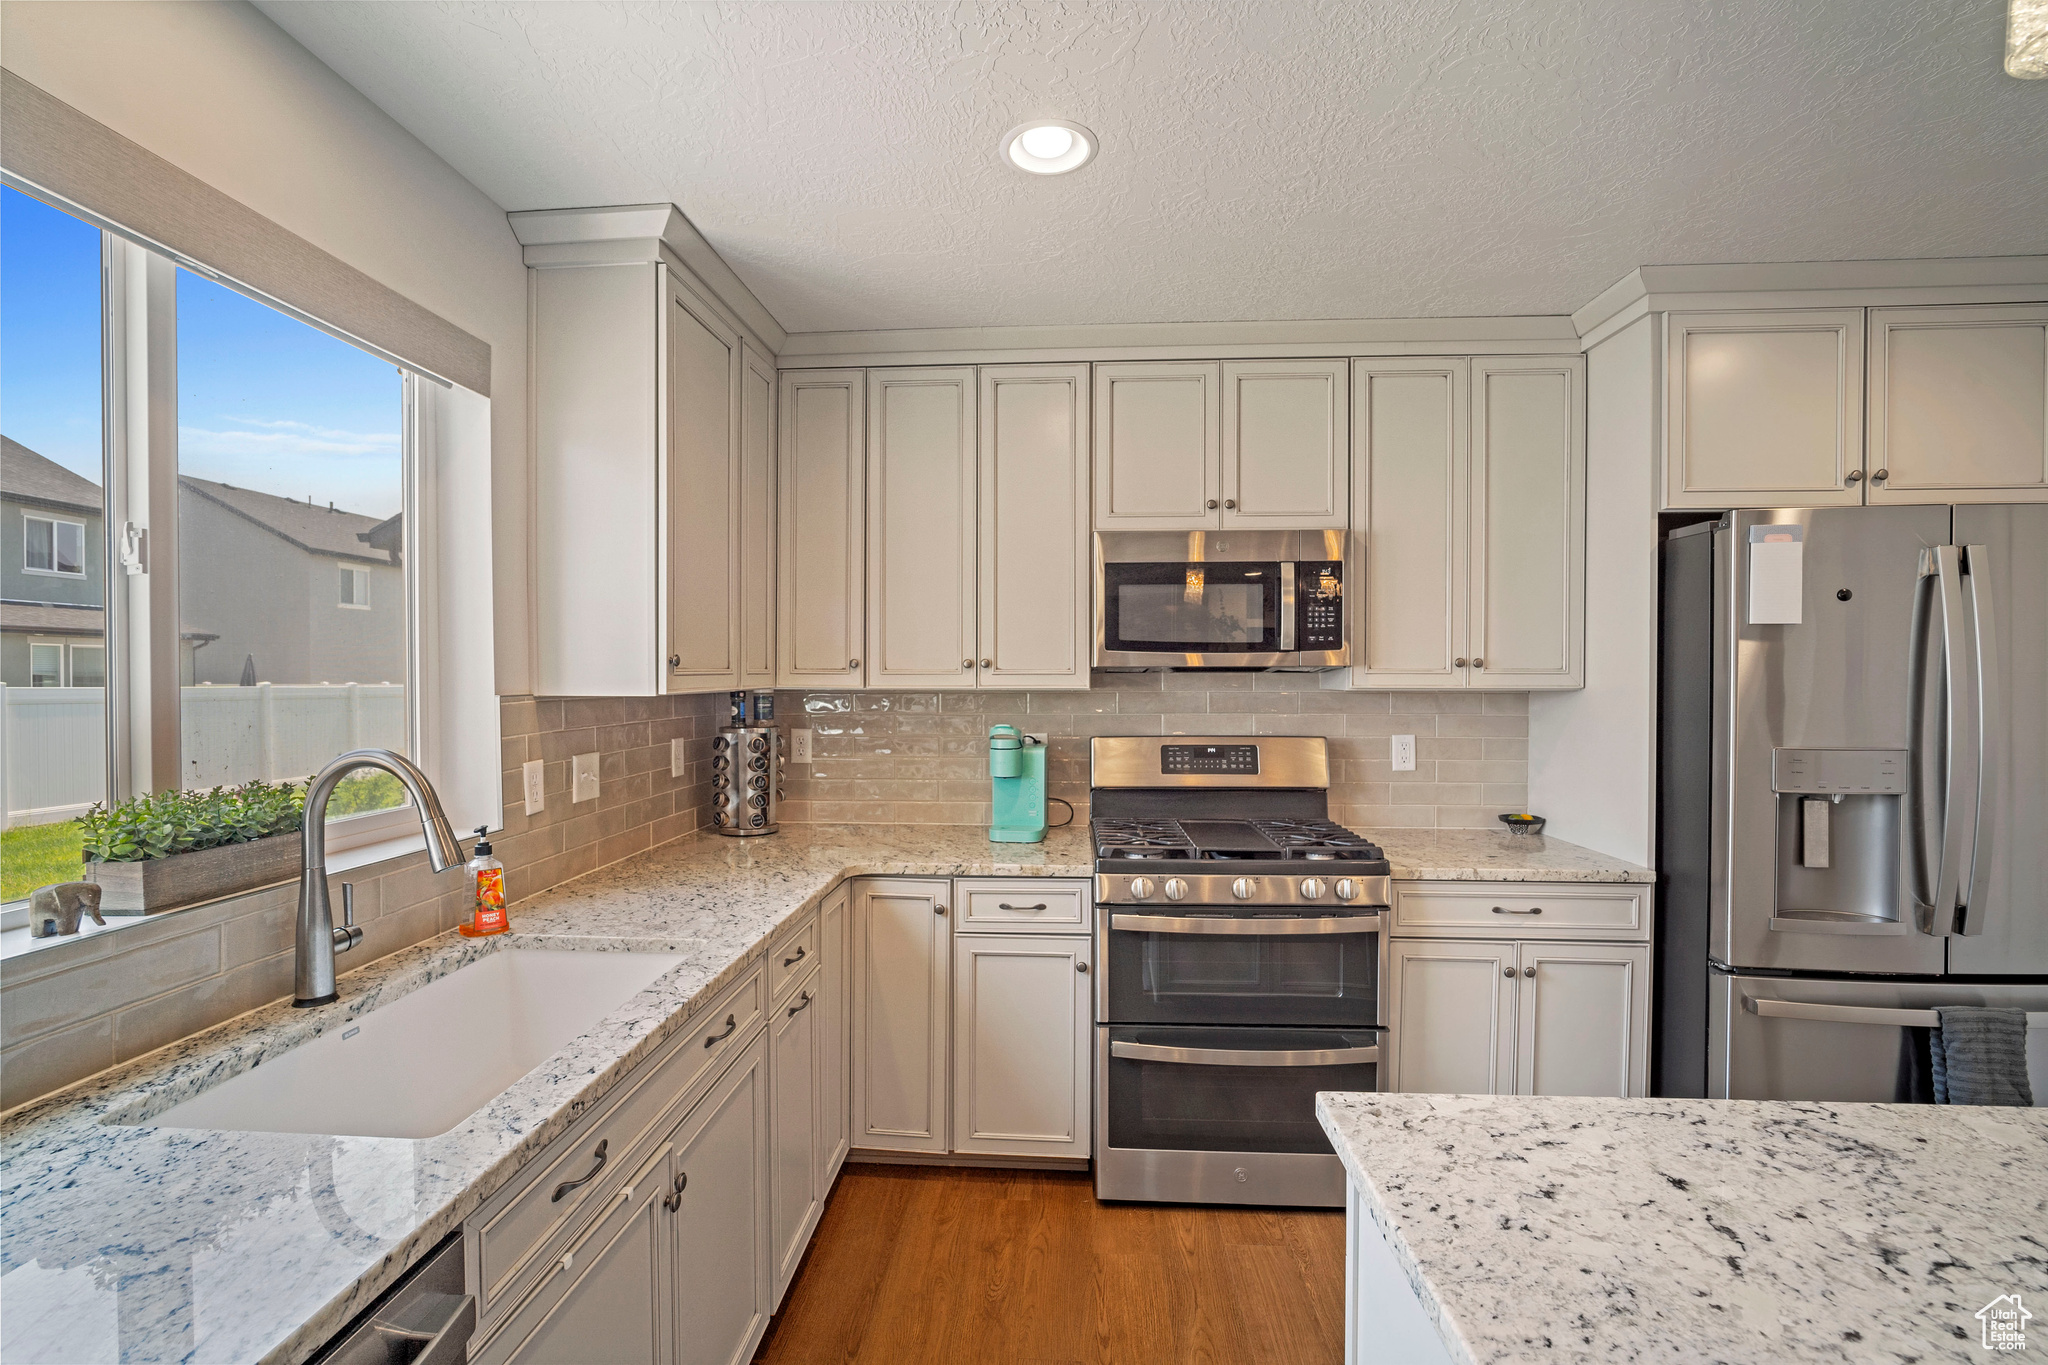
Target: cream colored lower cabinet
(835, 1098)
(1493, 1017)
(1022, 1028)
(795, 1195)
(902, 969)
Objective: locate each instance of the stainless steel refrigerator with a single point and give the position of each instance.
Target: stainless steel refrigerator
(1853, 795)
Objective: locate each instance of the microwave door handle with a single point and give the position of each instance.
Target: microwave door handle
(1286, 606)
(1209, 1056)
(1990, 725)
(1959, 753)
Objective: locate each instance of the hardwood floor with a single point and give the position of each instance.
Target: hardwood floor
(987, 1267)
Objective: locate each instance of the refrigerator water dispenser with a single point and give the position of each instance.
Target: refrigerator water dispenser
(1840, 819)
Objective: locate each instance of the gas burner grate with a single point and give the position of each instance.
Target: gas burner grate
(1317, 840)
(1139, 840)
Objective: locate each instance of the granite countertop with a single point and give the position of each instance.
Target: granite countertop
(131, 1242)
(1597, 1230)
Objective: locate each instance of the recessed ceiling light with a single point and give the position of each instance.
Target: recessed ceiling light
(1048, 146)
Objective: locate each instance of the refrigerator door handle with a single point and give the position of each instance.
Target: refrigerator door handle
(1923, 757)
(1858, 1014)
(1975, 890)
(1959, 748)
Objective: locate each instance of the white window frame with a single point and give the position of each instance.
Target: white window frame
(71, 662)
(359, 577)
(55, 558)
(63, 662)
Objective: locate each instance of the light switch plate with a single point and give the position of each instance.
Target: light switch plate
(678, 765)
(583, 778)
(1404, 753)
(800, 745)
(533, 776)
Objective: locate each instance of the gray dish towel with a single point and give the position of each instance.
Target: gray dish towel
(1980, 1057)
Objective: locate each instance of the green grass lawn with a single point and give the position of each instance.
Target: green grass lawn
(38, 855)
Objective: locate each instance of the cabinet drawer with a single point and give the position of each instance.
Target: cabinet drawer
(1522, 909)
(518, 1225)
(791, 958)
(1032, 905)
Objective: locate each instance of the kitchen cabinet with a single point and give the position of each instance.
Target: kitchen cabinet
(902, 970)
(1764, 409)
(821, 520)
(1022, 1034)
(1497, 1017)
(757, 519)
(720, 1284)
(703, 496)
(835, 1132)
(796, 1197)
(1469, 497)
(1032, 625)
(921, 527)
(1958, 404)
(1221, 445)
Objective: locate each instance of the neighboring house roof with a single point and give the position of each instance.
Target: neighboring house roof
(26, 476)
(43, 618)
(313, 528)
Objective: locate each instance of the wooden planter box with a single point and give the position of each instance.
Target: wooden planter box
(166, 883)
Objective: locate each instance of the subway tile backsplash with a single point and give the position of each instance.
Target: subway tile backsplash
(922, 757)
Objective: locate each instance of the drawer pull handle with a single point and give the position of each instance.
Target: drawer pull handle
(715, 1039)
(568, 1185)
(795, 1010)
(675, 1201)
(1503, 910)
(1005, 905)
(792, 961)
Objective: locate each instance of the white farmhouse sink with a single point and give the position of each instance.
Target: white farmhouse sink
(425, 1062)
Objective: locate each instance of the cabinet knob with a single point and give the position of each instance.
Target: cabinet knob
(967, 663)
(853, 663)
(1528, 971)
(1210, 504)
(985, 663)
(1880, 476)
(1229, 503)
(1081, 967)
(1854, 476)
(675, 661)
(1478, 662)
(938, 909)
(1457, 663)
(1507, 971)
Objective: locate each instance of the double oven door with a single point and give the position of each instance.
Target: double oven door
(1217, 1031)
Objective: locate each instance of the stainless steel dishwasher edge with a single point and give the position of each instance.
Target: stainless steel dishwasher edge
(424, 1319)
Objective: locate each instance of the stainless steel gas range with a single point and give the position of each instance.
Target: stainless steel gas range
(1241, 941)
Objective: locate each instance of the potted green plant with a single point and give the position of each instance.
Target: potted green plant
(173, 848)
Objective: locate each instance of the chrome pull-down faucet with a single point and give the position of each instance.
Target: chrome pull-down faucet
(318, 939)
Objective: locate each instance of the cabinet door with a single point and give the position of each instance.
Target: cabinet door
(1158, 446)
(1584, 1017)
(1764, 409)
(721, 1285)
(921, 527)
(1286, 444)
(1035, 588)
(1022, 1029)
(794, 1196)
(757, 519)
(901, 964)
(834, 1046)
(1453, 1012)
(1408, 515)
(703, 497)
(606, 1300)
(1958, 404)
(821, 513)
(1528, 535)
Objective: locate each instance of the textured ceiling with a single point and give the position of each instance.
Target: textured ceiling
(1260, 159)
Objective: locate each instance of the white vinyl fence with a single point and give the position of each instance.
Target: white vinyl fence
(53, 739)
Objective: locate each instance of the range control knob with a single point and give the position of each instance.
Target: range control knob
(1347, 890)
(1141, 887)
(1312, 888)
(1244, 888)
(1175, 888)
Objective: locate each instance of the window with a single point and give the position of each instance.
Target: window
(355, 588)
(45, 664)
(53, 546)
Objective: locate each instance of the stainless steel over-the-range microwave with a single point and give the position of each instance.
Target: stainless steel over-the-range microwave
(1220, 599)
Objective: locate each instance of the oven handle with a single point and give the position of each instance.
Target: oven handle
(1208, 1056)
(1254, 927)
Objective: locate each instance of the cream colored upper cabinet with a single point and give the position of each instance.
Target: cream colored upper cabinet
(703, 497)
(1527, 523)
(921, 527)
(1035, 590)
(1764, 409)
(757, 519)
(1159, 446)
(1286, 444)
(821, 511)
(1958, 406)
(1408, 521)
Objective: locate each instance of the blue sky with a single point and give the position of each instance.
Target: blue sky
(264, 401)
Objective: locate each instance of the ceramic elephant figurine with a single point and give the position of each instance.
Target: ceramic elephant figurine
(57, 910)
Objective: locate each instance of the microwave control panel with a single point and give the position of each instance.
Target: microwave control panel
(1319, 604)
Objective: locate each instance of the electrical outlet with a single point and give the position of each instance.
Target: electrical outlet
(582, 778)
(533, 775)
(800, 745)
(1404, 753)
(678, 765)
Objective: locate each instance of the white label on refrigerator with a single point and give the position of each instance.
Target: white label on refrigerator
(1776, 574)
(1814, 852)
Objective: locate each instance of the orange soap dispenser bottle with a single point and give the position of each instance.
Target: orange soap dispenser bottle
(487, 875)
